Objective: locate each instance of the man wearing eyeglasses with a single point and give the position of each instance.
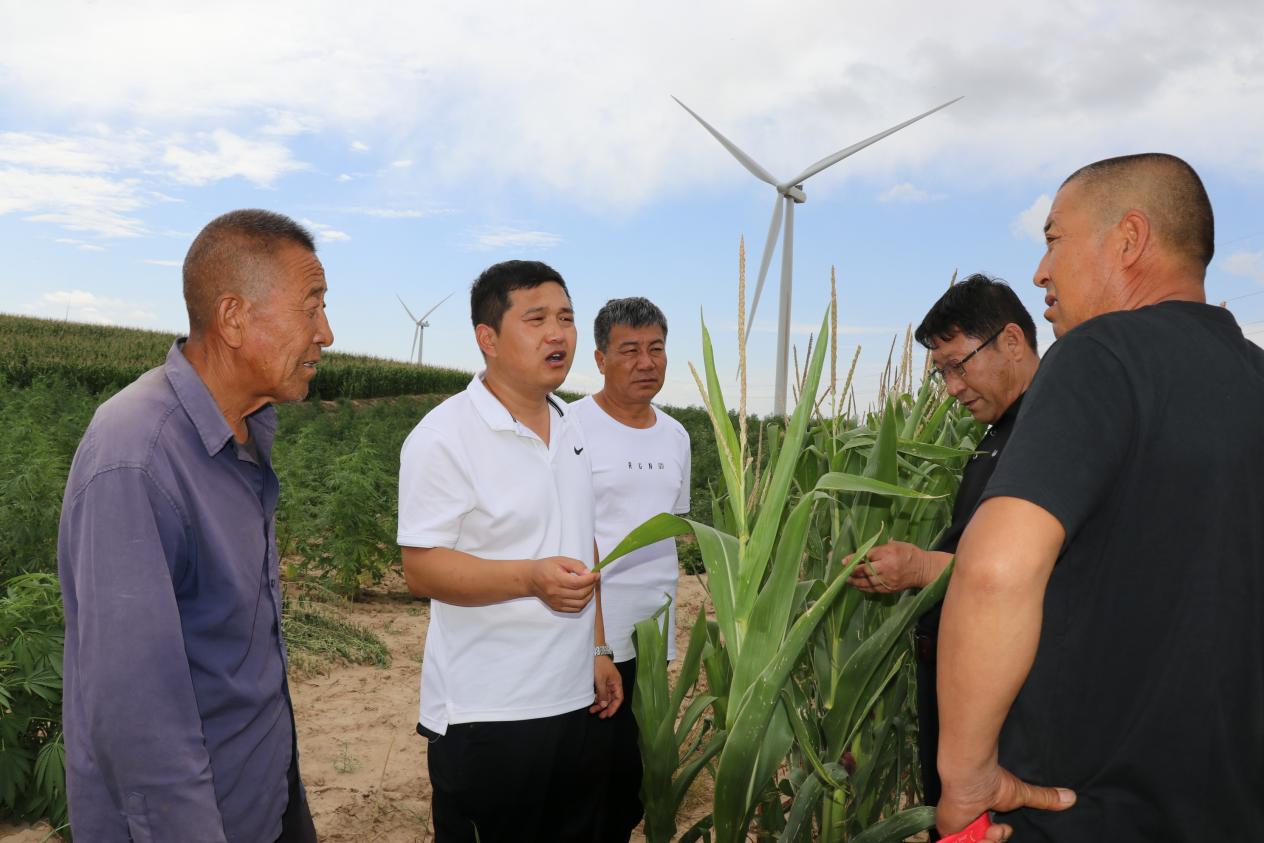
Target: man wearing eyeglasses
(982, 343)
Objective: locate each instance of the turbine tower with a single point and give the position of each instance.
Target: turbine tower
(421, 324)
(789, 194)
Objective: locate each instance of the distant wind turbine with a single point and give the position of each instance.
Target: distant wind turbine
(789, 194)
(421, 324)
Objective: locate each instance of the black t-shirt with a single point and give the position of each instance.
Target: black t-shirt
(1143, 434)
(974, 480)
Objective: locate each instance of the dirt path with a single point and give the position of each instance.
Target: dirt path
(363, 763)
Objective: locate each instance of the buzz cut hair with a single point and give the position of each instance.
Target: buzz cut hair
(1163, 187)
(978, 307)
(633, 312)
(234, 254)
(489, 294)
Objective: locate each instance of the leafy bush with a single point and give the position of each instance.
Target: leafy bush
(32, 755)
(42, 424)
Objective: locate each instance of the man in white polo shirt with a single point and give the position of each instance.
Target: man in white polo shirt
(496, 527)
(640, 462)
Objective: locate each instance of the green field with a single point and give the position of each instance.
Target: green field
(776, 509)
(102, 358)
(334, 448)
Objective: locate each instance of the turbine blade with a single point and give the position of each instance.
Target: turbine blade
(436, 307)
(412, 350)
(831, 160)
(745, 160)
(774, 228)
(406, 310)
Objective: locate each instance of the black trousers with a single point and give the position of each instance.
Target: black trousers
(520, 780)
(296, 822)
(623, 798)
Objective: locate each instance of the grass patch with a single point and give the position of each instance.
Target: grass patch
(318, 635)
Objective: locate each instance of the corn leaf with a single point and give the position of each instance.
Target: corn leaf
(738, 779)
(731, 458)
(767, 523)
(898, 827)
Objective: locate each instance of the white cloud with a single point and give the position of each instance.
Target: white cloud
(326, 233)
(84, 154)
(908, 194)
(157, 262)
(513, 238)
(402, 164)
(1247, 264)
(1031, 222)
(359, 146)
(344, 177)
(787, 84)
(222, 154)
(97, 181)
(286, 123)
(395, 213)
(83, 306)
(81, 245)
(92, 203)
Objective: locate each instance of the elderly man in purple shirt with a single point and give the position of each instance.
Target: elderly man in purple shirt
(178, 721)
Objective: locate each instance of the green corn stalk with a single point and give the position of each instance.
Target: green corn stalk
(769, 623)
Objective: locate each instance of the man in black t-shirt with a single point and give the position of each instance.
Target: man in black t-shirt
(982, 344)
(1101, 657)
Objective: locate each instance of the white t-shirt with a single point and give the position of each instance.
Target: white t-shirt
(474, 479)
(637, 473)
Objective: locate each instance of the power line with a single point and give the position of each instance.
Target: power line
(1245, 296)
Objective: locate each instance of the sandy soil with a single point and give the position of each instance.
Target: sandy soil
(362, 761)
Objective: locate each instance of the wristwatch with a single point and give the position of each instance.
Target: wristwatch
(603, 650)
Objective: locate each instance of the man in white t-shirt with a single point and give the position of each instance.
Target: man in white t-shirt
(640, 464)
(496, 527)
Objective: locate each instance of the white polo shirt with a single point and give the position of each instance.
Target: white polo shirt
(637, 473)
(474, 479)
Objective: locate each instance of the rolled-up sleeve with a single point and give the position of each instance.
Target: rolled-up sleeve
(130, 704)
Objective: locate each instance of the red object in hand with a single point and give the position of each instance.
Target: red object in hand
(973, 833)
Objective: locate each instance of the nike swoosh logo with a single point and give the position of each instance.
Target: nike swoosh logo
(579, 451)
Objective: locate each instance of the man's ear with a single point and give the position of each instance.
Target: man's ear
(600, 360)
(1134, 231)
(230, 319)
(486, 337)
(1013, 341)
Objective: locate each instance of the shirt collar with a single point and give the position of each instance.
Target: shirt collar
(199, 405)
(495, 414)
(1007, 418)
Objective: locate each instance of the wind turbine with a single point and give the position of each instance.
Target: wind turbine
(789, 194)
(422, 325)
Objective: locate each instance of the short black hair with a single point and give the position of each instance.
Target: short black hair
(489, 294)
(635, 312)
(978, 307)
(1165, 188)
(229, 254)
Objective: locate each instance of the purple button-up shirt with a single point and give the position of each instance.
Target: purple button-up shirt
(176, 711)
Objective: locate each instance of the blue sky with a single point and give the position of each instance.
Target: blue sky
(425, 143)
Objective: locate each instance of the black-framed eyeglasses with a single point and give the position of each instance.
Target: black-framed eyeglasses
(959, 368)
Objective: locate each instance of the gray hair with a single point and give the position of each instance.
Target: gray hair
(230, 255)
(635, 312)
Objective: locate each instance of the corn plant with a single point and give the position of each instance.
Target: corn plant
(799, 669)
